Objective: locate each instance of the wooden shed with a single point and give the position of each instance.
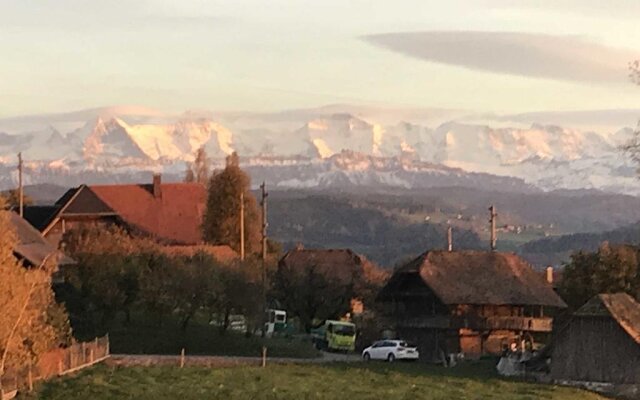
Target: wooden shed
(600, 343)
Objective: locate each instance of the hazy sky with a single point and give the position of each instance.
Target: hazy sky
(486, 55)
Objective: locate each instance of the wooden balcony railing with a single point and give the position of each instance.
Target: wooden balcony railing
(478, 323)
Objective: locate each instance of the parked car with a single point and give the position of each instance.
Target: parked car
(390, 350)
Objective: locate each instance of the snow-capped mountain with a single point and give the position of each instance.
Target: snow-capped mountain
(323, 148)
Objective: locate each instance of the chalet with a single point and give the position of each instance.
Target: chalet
(171, 213)
(32, 249)
(600, 343)
(471, 302)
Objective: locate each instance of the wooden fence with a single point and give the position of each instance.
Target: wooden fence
(53, 363)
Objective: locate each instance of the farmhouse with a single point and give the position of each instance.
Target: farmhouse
(170, 213)
(471, 302)
(600, 343)
(32, 249)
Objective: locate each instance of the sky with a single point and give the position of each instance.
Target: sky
(255, 55)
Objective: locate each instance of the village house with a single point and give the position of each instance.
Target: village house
(31, 248)
(471, 302)
(170, 213)
(600, 343)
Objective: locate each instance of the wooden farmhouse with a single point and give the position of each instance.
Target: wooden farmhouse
(471, 302)
(600, 343)
(170, 213)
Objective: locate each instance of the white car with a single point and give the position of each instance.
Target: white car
(390, 350)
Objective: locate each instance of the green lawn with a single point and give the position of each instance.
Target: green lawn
(203, 340)
(298, 382)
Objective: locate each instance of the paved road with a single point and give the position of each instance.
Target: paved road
(222, 361)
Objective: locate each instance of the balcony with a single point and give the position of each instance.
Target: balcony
(479, 323)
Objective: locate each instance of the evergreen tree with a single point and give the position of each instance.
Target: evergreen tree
(221, 224)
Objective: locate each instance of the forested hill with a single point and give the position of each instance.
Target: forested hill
(584, 241)
(326, 221)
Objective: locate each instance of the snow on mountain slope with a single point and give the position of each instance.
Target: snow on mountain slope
(324, 147)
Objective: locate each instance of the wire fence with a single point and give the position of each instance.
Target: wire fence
(53, 363)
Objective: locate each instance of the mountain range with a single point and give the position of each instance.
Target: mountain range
(331, 146)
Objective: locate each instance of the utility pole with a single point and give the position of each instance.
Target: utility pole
(20, 186)
(492, 220)
(241, 226)
(263, 203)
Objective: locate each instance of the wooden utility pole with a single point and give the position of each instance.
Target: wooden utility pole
(20, 186)
(263, 203)
(492, 220)
(242, 226)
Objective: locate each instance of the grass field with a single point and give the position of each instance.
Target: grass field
(142, 336)
(300, 382)
(204, 340)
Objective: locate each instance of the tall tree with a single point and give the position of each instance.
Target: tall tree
(26, 304)
(198, 170)
(611, 269)
(221, 223)
(632, 146)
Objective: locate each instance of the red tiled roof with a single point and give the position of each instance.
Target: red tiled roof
(174, 217)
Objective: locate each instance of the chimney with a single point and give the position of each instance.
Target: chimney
(494, 238)
(449, 238)
(549, 271)
(157, 186)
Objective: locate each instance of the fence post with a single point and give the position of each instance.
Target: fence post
(84, 353)
(182, 358)
(107, 351)
(264, 356)
(91, 356)
(30, 377)
(60, 369)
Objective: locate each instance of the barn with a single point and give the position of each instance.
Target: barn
(600, 343)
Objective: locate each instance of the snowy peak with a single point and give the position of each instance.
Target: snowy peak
(330, 135)
(112, 140)
(347, 146)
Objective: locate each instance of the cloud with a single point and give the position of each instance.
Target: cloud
(571, 58)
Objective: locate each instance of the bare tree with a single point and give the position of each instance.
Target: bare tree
(632, 146)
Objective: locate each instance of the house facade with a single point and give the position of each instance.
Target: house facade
(471, 302)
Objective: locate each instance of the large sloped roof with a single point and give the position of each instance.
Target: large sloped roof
(621, 306)
(40, 216)
(476, 277)
(174, 217)
(32, 246)
(339, 263)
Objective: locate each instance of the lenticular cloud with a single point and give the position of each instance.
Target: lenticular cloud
(571, 58)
